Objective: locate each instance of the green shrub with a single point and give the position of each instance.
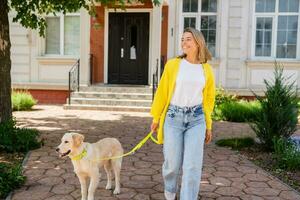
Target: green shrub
(221, 97)
(14, 139)
(286, 154)
(217, 114)
(22, 100)
(279, 110)
(10, 178)
(240, 111)
(236, 143)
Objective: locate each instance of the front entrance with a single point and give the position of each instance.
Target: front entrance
(128, 48)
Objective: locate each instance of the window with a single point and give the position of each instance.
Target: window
(276, 31)
(63, 34)
(202, 15)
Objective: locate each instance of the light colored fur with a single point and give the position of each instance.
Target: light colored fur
(88, 166)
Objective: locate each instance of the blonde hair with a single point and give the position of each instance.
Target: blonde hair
(203, 53)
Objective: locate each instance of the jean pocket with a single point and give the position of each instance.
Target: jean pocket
(197, 112)
(171, 112)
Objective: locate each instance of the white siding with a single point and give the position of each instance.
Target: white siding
(20, 52)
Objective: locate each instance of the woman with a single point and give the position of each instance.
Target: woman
(181, 113)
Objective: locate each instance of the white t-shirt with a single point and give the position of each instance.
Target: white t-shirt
(189, 85)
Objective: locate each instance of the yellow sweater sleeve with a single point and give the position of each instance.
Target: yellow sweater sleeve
(210, 98)
(161, 96)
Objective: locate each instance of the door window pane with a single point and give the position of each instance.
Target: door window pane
(53, 35)
(133, 42)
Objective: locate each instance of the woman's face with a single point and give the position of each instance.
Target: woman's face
(188, 44)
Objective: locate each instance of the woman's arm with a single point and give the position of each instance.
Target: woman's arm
(210, 98)
(161, 96)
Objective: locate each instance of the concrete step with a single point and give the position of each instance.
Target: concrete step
(106, 108)
(112, 102)
(117, 89)
(112, 95)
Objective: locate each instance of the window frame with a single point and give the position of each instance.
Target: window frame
(198, 16)
(274, 15)
(61, 17)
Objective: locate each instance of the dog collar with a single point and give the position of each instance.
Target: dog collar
(79, 156)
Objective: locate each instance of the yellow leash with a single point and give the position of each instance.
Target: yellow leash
(137, 147)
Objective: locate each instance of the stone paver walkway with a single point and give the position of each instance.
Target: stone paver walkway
(226, 175)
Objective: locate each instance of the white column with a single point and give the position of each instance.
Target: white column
(245, 42)
(155, 39)
(84, 47)
(171, 28)
(223, 41)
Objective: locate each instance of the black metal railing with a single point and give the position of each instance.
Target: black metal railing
(91, 68)
(155, 80)
(156, 76)
(74, 79)
(162, 64)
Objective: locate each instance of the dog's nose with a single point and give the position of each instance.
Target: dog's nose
(57, 149)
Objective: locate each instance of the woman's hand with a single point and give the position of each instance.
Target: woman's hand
(154, 127)
(208, 136)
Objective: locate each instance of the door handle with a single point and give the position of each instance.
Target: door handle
(122, 52)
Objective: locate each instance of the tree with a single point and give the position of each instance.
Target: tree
(278, 115)
(31, 14)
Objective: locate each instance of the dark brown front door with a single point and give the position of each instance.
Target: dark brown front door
(128, 48)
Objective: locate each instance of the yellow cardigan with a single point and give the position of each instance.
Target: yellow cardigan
(165, 92)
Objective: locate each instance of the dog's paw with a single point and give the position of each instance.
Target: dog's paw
(117, 191)
(108, 187)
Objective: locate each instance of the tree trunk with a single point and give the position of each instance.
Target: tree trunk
(5, 64)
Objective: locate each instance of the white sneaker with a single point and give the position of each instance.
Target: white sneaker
(169, 195)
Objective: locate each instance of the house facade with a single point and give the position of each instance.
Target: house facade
(127, 47)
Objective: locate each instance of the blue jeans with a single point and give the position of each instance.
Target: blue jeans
(184, 135)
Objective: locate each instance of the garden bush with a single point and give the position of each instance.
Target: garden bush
(240, 111)
(286, 153)
(22, 100)
(14, 139)
(10, 178)
(279, 110)
(221, 97)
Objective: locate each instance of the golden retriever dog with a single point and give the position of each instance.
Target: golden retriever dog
(87, 158)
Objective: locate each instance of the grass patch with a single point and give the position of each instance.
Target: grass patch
(236, 143)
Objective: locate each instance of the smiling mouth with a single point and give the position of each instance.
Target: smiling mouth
(64, 154)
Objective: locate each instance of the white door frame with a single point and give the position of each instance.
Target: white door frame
(152, 39)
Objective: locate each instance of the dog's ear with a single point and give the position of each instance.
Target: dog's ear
(77, 139)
